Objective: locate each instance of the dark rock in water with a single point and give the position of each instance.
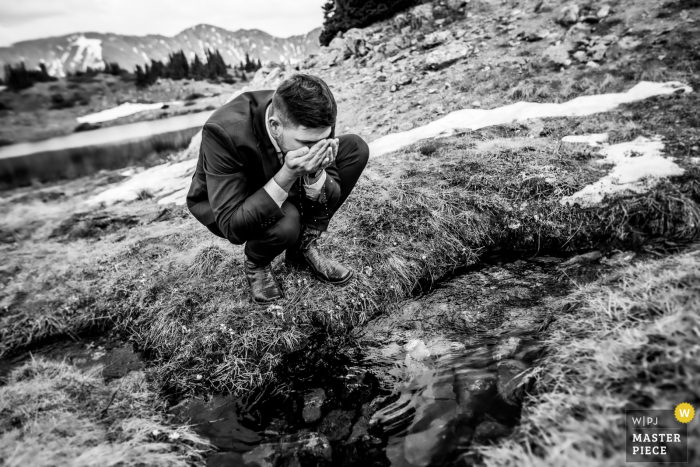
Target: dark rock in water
(583, 259)
(313, 403)
(361, 427)
(291, 450)
(225, 459)
(488, 432)
(509, 379)
(119, 362)
(531, 354)
(336, 426)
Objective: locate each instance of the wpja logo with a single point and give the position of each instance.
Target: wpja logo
(658, 436)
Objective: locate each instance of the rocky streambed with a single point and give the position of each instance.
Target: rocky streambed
(418, 386)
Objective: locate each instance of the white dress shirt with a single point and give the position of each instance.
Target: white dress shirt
(278, 195)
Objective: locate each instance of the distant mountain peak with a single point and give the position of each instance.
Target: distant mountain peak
(78, 51)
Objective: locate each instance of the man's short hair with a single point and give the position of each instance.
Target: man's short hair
(305, 100)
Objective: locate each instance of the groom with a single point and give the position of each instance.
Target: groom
(271, 174)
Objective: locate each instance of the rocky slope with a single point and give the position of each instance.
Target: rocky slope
(78, 51)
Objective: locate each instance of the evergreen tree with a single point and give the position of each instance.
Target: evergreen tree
(341, 15)
(18, 77)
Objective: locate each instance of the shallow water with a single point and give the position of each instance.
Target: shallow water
(416, 387)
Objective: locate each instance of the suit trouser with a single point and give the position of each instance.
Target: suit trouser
(350, 162)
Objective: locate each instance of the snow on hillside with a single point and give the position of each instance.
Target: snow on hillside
(78, 51)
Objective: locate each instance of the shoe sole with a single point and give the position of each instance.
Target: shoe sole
(303, 267)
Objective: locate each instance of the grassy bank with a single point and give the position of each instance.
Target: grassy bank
(631, 342)
(55, 414)
(164, 282)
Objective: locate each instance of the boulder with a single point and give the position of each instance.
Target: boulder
(355, 42)
(455, 5)
(445, 55)
(338, 43)
(336, 426)
(568, 14)
(313, 403)
(437, 38)
(603, 11)
(558, 54)
(597, 52)
(421, 17)
(581, 56)
(510, 379)
(405, 126)
(488, 432)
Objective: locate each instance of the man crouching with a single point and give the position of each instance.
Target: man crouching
(271, 174)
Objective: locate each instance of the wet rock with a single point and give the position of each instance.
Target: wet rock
(506, 348)
(313, 403)
(336, 426)
(585, 258)
(445, 55)
(119, 362)
(417, 350)
(619, 258)
(568, 14)
(225, 459)
(291, 450)
(419, 448)
(361, 427)
(488, 432)
(510, 379)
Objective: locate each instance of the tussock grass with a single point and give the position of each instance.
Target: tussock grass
(631, 342)
(55, 414)
(180, 293)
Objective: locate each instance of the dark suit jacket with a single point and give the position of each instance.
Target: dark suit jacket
(236, 159)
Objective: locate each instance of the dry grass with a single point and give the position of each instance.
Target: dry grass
(417, 215)
(54, 414)
(632, 342)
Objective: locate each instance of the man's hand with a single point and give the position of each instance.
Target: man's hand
(305, 161)
(331, 154)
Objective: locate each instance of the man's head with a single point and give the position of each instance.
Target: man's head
(303, 112)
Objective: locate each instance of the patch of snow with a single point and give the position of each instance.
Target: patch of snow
(88, 53)
(123, 110)
(174, 179)
(596, 139)
(474, 119)
(145, 57)
(638, 166)
(161, 180)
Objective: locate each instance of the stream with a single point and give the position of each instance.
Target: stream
(416, 387)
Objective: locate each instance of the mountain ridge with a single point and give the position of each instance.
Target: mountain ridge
(78, 51)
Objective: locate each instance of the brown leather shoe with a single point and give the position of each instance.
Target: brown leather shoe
(263, 284)
(308, 255)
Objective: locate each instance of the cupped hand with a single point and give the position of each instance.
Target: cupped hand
(305, 160)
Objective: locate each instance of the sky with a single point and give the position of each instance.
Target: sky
(32, 19)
